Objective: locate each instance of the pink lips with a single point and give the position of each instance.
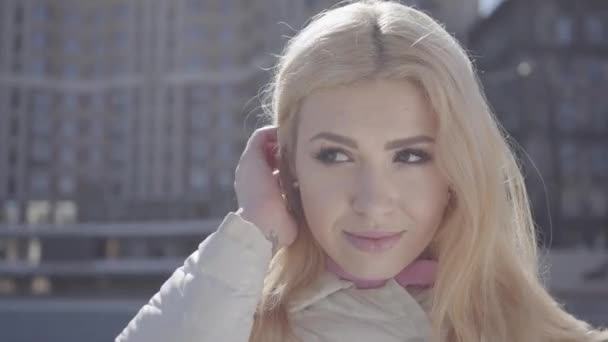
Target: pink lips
(373, 242)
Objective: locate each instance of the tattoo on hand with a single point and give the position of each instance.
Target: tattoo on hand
(274, 240)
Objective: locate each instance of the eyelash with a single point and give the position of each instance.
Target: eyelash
(324, 154)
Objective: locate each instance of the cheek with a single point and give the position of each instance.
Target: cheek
(424, 197)
(322, 198)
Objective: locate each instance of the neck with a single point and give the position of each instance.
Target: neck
(420, 272)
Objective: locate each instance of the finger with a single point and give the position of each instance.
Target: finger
(262, 136)
(262, 146)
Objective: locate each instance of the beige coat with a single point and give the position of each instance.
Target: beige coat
(213, 296)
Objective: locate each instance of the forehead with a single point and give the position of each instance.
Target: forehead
(386, 107)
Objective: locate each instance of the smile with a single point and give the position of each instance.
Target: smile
(373, 242)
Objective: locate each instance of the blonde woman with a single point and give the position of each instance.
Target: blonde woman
(392, 210)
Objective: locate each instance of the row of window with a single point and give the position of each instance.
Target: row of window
(71, 156)
(41, 183)
(593, 28)
(582, 161)
(40, 211)
(117, 101)
(99, 45)
(582, 73)
(72, 15)
(74, 71)
(201, 180)
(584, 202)
(572, 117)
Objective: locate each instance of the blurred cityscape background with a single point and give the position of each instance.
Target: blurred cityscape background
(121, 123)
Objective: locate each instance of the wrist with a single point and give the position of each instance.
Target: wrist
(270, 233)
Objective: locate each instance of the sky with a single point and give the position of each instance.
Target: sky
(486, 6)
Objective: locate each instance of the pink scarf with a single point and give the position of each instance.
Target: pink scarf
(421, 272)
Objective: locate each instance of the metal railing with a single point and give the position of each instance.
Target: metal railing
(100, 262)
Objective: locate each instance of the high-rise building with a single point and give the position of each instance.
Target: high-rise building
(546, 78)
(107, 105)
(134, 109)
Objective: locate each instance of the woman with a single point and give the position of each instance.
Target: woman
(392, 210)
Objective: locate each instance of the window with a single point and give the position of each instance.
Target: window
(71, 19)
(15, 99)
(118, 101)
(39, 40)
(119, 127)
(40, 183)
(225, 179)
(594, 29)
(564, 30)
(200, 150)
(17, 44)
(11, 186)
(196, 5)
(71, 46)
(118, 154)
(42, 102)
(67, 155)
(118, 68)
(68, 128)
(38, 212)
(70, 102)
(67, 185)
(226, 94)
(65, 212)
(95, 157)
(120, 11)
(200, 119)
(598, 203)
(199, 94)
(36, 67)
(572, 202)
(11, 212)
(41, 124)
(225, 152)
(228, 35)
(570, 160)
(95, 130)
(41, 151)
(227, 6)
(194, 62)
(310, 3)
(599, 162)
(195, 33)
(97, 101)
(40, 12)
(70, 71)
(566, 116)
(100, 50)
(199, 178)
(225, 122)
(599, 118)
(121, 41)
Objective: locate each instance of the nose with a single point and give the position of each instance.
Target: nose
(374, 195)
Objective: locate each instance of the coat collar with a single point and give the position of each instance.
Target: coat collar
(328, 283)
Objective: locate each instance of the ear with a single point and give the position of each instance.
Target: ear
(291, 192)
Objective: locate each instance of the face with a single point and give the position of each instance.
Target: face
(371, 191)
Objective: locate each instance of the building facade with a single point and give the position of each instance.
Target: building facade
(544, 66)
(136, 110)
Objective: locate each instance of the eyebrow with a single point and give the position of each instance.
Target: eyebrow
(391, 145)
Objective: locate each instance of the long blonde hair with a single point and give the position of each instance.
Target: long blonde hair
(488, 286)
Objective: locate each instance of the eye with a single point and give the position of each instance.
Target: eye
(411, 156)
(332, 156)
